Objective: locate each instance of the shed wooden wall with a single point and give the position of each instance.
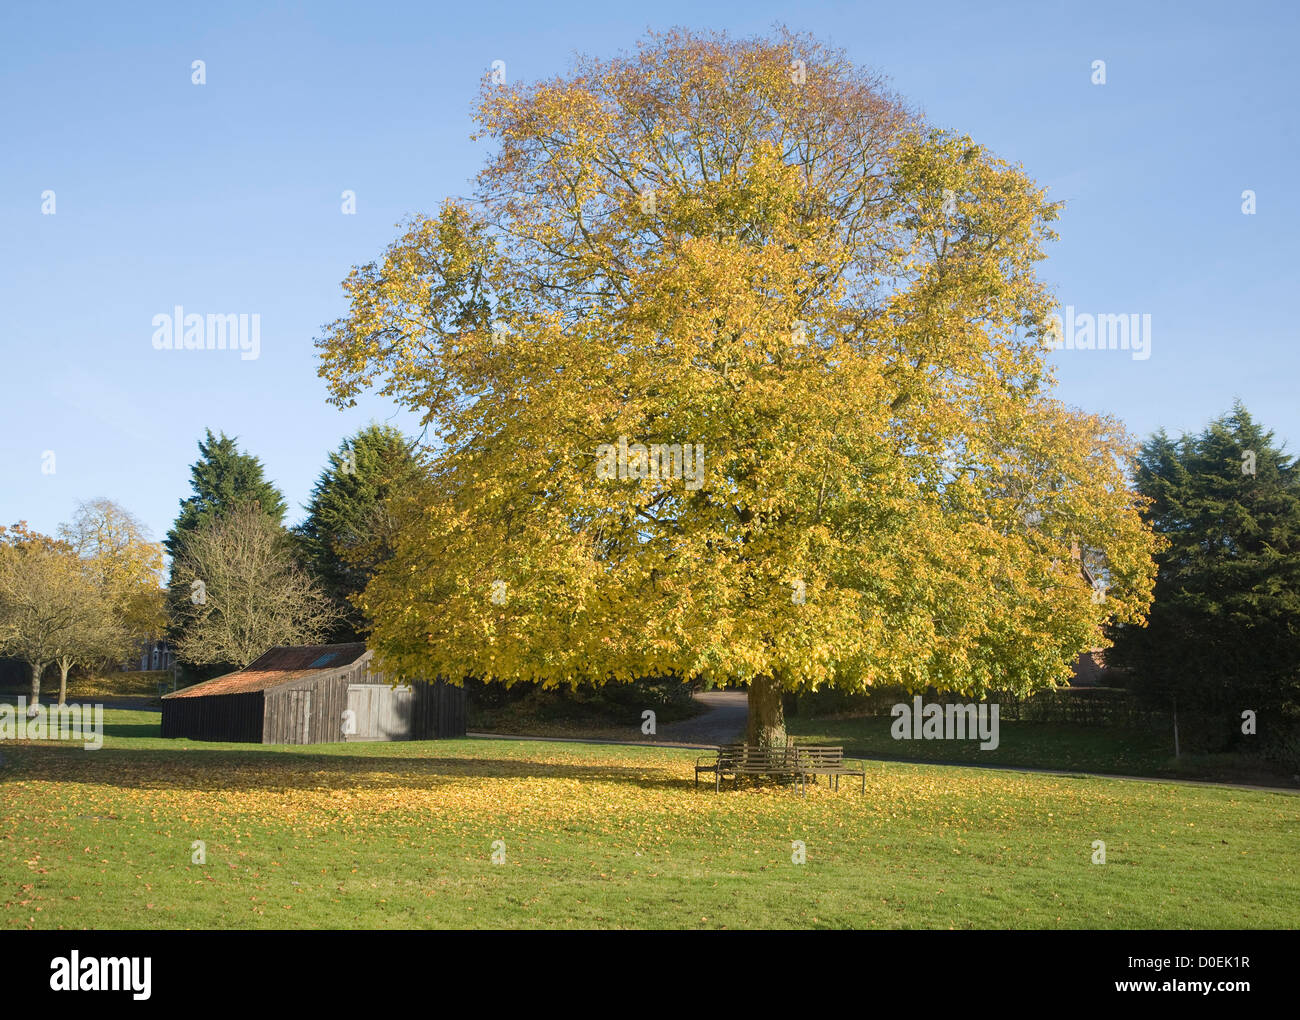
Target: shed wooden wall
(232, 717)
(437, 708)
(283, 722)
(276, 716)
(438, 711)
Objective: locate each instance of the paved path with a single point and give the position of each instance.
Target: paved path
(107, 703)
(133, 706)
(725, 720)
(474, 735)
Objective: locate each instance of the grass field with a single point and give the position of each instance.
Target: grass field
(1064, 746)
(401, 835)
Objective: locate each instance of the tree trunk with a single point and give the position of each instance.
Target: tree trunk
(38, 670)
(63, 682)
(766, 712)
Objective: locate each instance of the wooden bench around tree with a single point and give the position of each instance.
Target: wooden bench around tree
(710, 762)
(799, 761)
(736, 760)
(816, 760)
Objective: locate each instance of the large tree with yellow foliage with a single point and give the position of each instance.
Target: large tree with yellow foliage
(750, 247)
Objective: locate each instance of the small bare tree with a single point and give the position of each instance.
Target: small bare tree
(246, 592)
(94, 634)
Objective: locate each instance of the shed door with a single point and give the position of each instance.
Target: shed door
(300, 717)
(361, 721)
(379, 712)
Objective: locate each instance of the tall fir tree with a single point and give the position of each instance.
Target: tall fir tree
(1223, 634)
(346, 534)
(223, 478)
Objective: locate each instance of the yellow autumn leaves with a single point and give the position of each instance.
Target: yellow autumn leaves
(835, 303)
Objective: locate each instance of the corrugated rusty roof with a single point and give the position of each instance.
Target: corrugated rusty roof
(278, 666)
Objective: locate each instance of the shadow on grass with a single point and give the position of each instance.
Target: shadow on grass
(124, 729)
(114, 724)
(197, 768)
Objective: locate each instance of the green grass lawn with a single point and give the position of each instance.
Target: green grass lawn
(401, 835)
(1063, 746)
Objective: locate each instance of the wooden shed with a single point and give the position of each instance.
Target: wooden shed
(313, 694)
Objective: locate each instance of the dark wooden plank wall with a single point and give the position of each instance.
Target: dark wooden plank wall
(230, 717)
(438, 711)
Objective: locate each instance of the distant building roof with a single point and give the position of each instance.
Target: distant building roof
(278, 666)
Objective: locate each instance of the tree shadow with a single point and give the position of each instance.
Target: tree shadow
(200, 769)
(135, 730)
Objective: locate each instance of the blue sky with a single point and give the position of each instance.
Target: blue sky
(226, 198)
